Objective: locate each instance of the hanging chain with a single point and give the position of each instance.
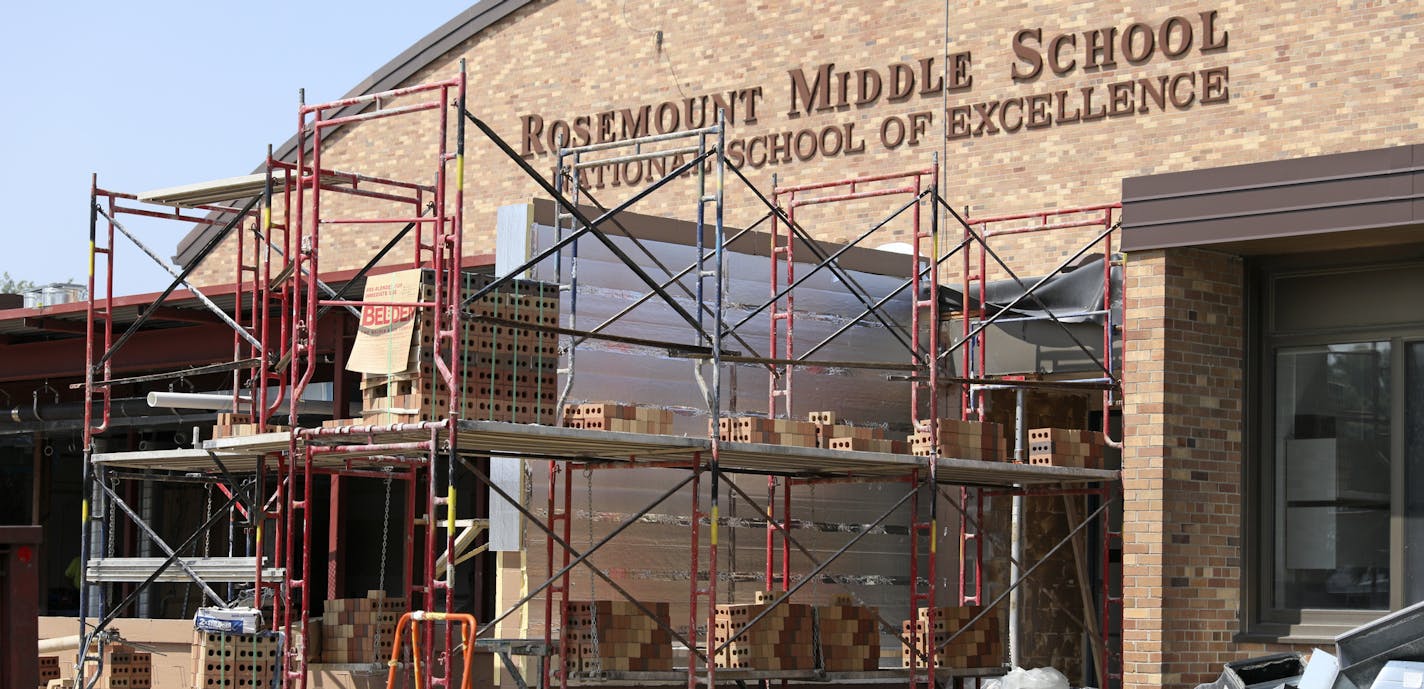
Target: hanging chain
(381, 577)
(109, 524)
(592, 593)
(816, 582)
(207, 514)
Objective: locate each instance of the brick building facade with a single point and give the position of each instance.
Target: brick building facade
(1044, 107)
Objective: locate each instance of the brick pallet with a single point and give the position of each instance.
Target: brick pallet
(982, 440)
(979, 647)
(783, 640)
(48, 669)
(611, 416)
(360, 630)
(1065, 448)
(849, 635)
(234, 661)
(614, 636)
(508, 373)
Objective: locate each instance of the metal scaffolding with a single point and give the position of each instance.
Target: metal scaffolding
(279, 319)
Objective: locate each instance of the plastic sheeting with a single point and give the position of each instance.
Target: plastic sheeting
(653, 557)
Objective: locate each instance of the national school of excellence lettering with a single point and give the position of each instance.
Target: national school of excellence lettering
(826, 90)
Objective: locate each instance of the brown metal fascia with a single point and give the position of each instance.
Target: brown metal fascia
(1359, 190)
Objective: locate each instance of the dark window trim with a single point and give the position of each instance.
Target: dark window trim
(1279, 625)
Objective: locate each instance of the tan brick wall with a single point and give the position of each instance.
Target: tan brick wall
(1182, 468)
(1306, 78)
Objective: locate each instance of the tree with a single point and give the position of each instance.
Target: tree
(9, 285)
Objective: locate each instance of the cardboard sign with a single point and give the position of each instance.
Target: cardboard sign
(383, 340)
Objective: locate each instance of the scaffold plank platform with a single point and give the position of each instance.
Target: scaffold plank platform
(584, 446)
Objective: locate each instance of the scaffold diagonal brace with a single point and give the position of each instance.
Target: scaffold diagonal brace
(163, 545)
(589, 226)
(811, 576)
(580, 558)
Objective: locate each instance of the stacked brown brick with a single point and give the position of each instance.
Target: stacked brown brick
(360, 630)
(615, 636)
(1065, 447)
(781, 640)
(234, 661)
(821, 430)
(508, 372)
(849, 636)
(230, 424)
(48, 667)
(126, 668)
(978, 646)
(961, 440)
(757, 429)
(625, 418)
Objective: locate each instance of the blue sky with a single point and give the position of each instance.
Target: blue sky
(157, 94)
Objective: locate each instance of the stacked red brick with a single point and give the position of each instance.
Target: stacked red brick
(782, 640)
(508, 373)
(48, 669)
(230, 425)
(958, 439)
(234, 661)
(978, 646)
(126, 668)
(614, 636)
(849, 635)
(360, 630)
(625, 418)
(1065, 447)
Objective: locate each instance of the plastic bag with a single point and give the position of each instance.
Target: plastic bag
(1037, 678)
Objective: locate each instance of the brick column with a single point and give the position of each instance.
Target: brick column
(1143, 457)
(1182, 466)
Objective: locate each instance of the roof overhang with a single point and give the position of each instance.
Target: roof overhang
(1357, 199)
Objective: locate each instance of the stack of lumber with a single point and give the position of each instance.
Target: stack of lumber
(849, 634)
(1065, 448)
(360, 630)
(222, 660)
(614, 636)
(507, 372)
(980, 646)
(958, 439)
(782, 640)
(625, 418)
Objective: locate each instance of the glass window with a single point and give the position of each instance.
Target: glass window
(1332, 438)
(1414, 473)
(1339, 441)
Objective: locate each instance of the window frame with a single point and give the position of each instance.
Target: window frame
(1261, 620)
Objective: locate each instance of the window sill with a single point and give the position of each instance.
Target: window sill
(1299, 639)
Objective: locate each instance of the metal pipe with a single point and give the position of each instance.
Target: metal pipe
(61, 643)
(221, 402)
(1016, 526)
